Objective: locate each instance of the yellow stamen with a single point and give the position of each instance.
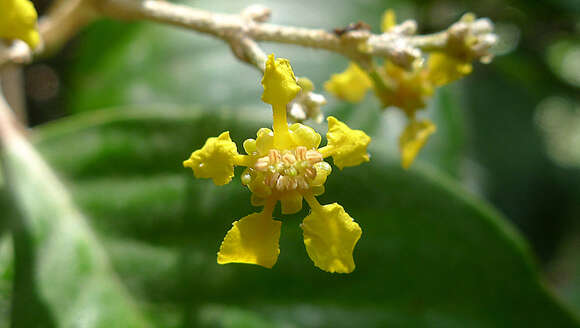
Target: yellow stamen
(313, 156)
(301, 153)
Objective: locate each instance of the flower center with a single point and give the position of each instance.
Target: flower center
(286, 170)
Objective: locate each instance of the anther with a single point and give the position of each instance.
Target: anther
(303, 164)
(289, 159)
(302, 184)
(313, 156)
(262, 163)
(310, 172)
(323, 166)
(282, 183)
(287, 170)
(271, 180)
(279, 167)
(291, 171)
(274, 156)
(272, 169)
(292, 184)
(301, 153)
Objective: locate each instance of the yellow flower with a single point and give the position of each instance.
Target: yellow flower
(462, 47)
(408, 90)
(411, 91)
(350, 85)
(286, 164)
(18, 21)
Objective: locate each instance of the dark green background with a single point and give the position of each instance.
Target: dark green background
(433, 253)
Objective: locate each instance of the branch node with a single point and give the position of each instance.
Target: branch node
(407, 28)
(257, 13)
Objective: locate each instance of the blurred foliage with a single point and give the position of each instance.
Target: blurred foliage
(430, 256)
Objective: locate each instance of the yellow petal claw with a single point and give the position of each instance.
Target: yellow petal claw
(330, 236)
(253, 240)
(388, 21)
(350, 85)
(264, 140)
(346, 146)
(444, 69)
(18, 21)
(215, 160)
(413, 139)
(291, 202)
(279, 82)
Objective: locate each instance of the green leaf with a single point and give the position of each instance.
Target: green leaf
(6, 279)
(565, 268)
(62, 275)
(562, 57)
(446, 148)
(430, 255)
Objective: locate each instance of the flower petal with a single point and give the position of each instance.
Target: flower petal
(444, 69)
(303, 135)
(413, 139)
(215, 159)
(253, 239)
(348, 146)
(264, 141)
(388, 21)
(250, 146)
(323, 170)
(330, 236)
(305, 84)
(259, 187)
(291, 202)
(279, 82)
(18, 21)
(350, 85)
